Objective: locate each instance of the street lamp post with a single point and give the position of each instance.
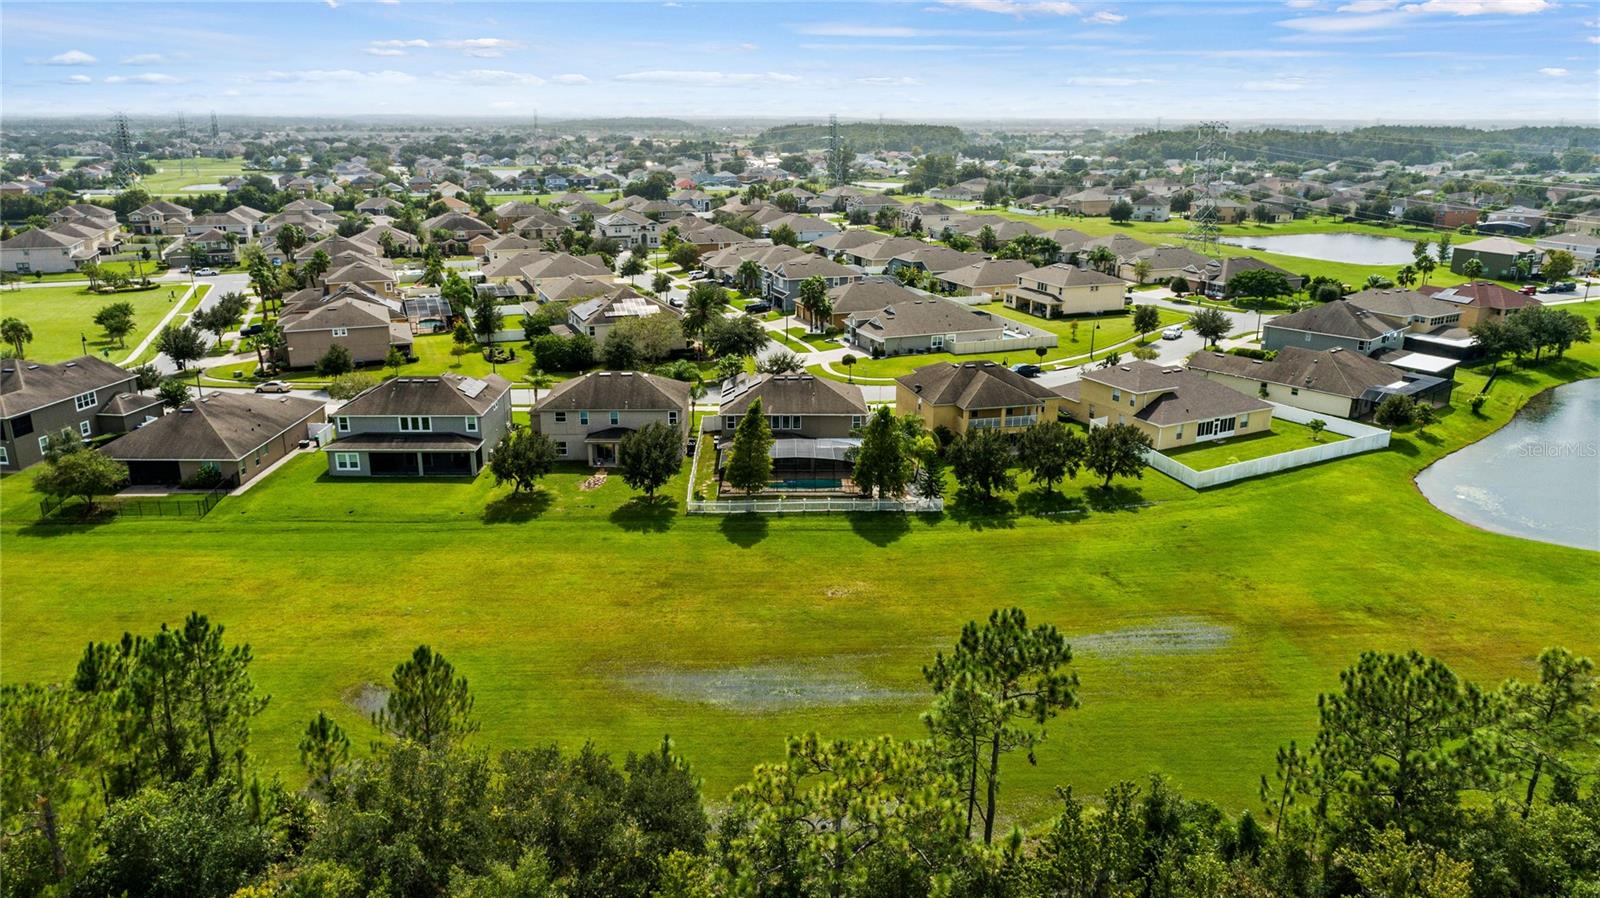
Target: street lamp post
(84, 341)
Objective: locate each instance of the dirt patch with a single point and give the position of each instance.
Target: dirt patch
(760, 688)
(368, 698)
(1167, 636)
(593, 482)
(843, 590)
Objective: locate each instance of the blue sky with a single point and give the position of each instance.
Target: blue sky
(1286, 60)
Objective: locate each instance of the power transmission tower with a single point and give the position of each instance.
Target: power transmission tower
(214, 131)
(838, 164)
(183, 140)
(124, 166)
(1202, 233)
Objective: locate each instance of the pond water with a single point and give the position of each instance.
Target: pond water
(1355, 249)
(1538, 477)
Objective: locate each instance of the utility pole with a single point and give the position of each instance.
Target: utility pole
(183, 140)
(1202, 233)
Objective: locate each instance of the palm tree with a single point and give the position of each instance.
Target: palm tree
(290, 238)
(1473, 268)
(16, 334)
(748, 277)
(1141, 270)
(1102, 259)
(316, 266)
(1406, 276)
(539, 381)
(266, 343)
(1425, 266)
(701, 308)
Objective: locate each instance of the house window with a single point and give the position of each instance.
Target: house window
(672, 417)
(583, 418)
(346, 461)
(730, 422)
(83, 401)
(1294, 391)
(1362, 346)
(341, 332)
(1308, 338)
(855, 422)
(44, 443)
(616, 418)
(1179, 434)
(5, 456)
(472, 425)
(938, 341)
(415, 423)
(343, 424)
(1116, 395)
(561, 417)
(85, 430)
(561, 449)
(1244, 422)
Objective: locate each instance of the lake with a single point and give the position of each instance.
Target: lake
(1355, 249)
(1538, 477)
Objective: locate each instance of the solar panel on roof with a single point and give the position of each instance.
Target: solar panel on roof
(471, 387)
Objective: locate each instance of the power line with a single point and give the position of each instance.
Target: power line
(1203, 230)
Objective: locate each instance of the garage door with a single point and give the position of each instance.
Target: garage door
(153, 473)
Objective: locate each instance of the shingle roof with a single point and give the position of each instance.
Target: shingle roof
(447, 394)
(989, 272)
(221, 426)
(923, 316)
(794, 394)
(1184, 395)
(1339, 318)
(809, 265)
(973, 385)
(1334, 371)
(617, 391)
(1401, 303)
(25, 385)
(1064, 275)
(1484, 296)
(869, 296)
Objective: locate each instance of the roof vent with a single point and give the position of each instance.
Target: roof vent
(72, 364)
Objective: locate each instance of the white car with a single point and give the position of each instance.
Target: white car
(273, 386)
(205, 272)
(1172, 333)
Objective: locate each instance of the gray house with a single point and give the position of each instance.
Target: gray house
(587, 417)
(1335, 325)
(239, 434)
(39, 401)
(782, 281)
(421, 426)
(813, 423)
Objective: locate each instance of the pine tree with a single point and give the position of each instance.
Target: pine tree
(428, 704)
(750, 460)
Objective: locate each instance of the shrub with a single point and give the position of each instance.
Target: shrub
(207, 478)
(349, 386)
(1250, 352)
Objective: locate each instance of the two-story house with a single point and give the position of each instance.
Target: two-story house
(364, 322)
(974, 395)
(39, 401)
(1059, 290)
(814, 423)
(595, 317)
(629, 228)
(781, 281)
(159, 217)
(1341, 324)
(588, 416)
(1173, 406)
(443, 426)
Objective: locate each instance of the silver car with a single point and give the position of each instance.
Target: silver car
(273, 386)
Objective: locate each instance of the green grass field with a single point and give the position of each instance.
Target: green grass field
(434, 353)
(169, 181)
(1285, 436)
(60, 315)
(1204, 624)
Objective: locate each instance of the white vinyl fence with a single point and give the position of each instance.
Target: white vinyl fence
(1360, 438)
(811, 505)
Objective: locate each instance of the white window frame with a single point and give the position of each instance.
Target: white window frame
(672, 417)
(616, 418)
(472, 425)
(416, 424)
(561, 449)
(84, 401)
(856, 421)
(347, 461)
(341, 332)
(44, 442)
(583, 418)
(1116, 395)
(5, 456)
(85, 429)
(343, 423)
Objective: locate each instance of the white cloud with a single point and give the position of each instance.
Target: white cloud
(483, 47)
(1017, 7)
(572, 78)
(1088, 81)
(146, 78)
(1554, 72)
(708, 79)
(1370, 15)
(332, 4)
(144, 59)
(1250, 54)
(1104, 17)
(418, 42)
(385, 51)
(1362, 6)
(749, 46)
(78, 79)
(1301, 4)
(71, 57)
(850, 29)
(890, 81)
(493, 77)
(1594, 38)
(334, 76)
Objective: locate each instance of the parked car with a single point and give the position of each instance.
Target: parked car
(758, 308)
(1172, 333)
(675, 301)
(1028, 370)
(1564, 287)
(1529, 289)
(272, 386)
(699, 276)
(205, 272)
(252, 330)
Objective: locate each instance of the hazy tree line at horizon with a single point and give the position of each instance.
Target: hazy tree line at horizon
(136, 777)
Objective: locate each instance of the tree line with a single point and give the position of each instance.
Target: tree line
(136, 777)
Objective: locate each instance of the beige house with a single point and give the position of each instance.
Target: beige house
(1059, 290)
(587, 417)
(974, 395)
(240, 434)
(1334, 382)
(1173, 406)
(989, 277)
(363, 322)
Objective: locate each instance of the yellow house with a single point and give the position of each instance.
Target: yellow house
(1058, 290)
(1173, 406)
(973, 395)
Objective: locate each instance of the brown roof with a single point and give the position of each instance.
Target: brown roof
(617, 391)
(26, 386)
(990, 272)
(869, 296)
(447, 394)
(973, 385)
(794, 394)
(1064, 275)
(220, 426)
(924, 316)
(1340, 318)
(1184, 395)
(1483, 295)
(1333, 371)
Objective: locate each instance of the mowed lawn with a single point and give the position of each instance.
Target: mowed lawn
(1204, 625)
(58, 316)
(1285, 436)
(168, 180)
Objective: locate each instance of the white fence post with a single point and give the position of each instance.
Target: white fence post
(1360, 438)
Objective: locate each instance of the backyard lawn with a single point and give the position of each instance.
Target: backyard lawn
(435, 355)
(58, 317)
(1285, 436)
(1203, 624)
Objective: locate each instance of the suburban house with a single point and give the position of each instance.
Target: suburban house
(596, 316)
(932, 258)
(159, 217)
(629, 228)
(1091, 201)
(241, 221)
(38, 401)
(781, 282)
(868, 295)
(934, 324)
(1585, 249)
(240, 434)
(1212, 278)
(212, 247)
(838, 245)
(874, 256)
(1419, 312)
(1501, 257)
(1058, 290)
(364, 322)
(421, 426)
(1339, 324)
(973, 395)
(1152, 208)
(588, 416)
(46, 251)
(1328, 381)
(813, 421)
(806, 227)
(985, 278)
(1481, 301)
(1164, 262)
(1173, 406)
